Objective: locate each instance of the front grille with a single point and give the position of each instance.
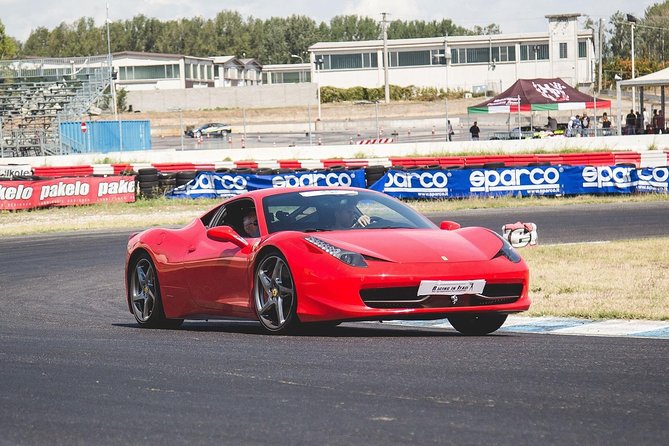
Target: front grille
(406, 297)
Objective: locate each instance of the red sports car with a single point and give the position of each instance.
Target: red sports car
(306, 256)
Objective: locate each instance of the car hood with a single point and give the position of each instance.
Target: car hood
(418, 245)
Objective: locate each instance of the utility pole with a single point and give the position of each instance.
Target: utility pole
(632, 21)
(384, 24)
(599, 56)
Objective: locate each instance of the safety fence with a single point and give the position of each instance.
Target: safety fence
(420, 177)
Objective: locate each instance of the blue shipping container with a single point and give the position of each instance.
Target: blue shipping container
(105, 136)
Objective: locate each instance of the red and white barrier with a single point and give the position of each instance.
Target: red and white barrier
(376, 141)
(639, 159)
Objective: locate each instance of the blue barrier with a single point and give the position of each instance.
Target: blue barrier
(107, 136)
(448, 183)
(221, 185)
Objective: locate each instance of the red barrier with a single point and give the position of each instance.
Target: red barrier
(66, 192)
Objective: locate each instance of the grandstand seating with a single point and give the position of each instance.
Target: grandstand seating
(37, 95)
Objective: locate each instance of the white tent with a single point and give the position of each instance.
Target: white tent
(657, 79)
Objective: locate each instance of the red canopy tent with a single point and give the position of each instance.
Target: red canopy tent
(538, 95)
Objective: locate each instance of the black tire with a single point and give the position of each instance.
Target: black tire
(147, 171)
(186, 175)
(147, 178)
(477, 324)
(274, 294)
(144, 295)
(148, 184)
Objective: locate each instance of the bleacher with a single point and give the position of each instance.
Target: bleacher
(36, 95)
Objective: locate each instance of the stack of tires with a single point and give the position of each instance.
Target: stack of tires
(147, 182)
(167, 181)
(374, 174)
(184, 177)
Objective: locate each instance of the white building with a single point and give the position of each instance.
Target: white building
(155, 71)
(286, 73)
(468, 63)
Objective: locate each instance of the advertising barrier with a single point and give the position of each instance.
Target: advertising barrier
(65, 192)
(522, 181)
(15, 169)
(223, 185)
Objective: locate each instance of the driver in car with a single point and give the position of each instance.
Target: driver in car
(348, 216)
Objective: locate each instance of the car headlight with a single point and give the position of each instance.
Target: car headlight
(348, 257)
(507, 250)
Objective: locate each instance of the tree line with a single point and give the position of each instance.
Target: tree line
(273, 40)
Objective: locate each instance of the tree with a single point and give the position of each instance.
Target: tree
(346, 28)
(9, 47)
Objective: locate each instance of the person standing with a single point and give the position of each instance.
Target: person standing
(475, 131)
(630, 123)
(585, 124)
(450, 131)
(606, 125)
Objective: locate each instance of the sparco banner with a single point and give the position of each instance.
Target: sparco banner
(524, 181)
(220, 185)
(66, 192)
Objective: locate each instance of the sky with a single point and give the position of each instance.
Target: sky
(20, 17)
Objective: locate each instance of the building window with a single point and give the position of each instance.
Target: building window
(437, 57)
(504, 53)
(345, 61)
(563, 51)
(348, 61)
(478, 55)
(534, 52)
(582, 49)
(483, 54)
(148, 72)
(410, 58)
(454, 56)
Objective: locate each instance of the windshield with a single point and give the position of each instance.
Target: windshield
(329, 210)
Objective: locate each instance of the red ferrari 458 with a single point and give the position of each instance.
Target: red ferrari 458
(305, 256)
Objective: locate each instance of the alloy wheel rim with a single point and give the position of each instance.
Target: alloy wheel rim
(274, 293)
(143, 290)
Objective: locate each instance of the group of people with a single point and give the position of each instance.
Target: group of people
(640, 123)
(577, 125)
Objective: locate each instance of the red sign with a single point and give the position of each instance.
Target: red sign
(83, 127)
(66, 192)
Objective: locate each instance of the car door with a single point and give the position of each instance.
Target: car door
(218, 272)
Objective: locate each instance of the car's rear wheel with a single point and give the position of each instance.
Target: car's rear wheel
(147, 306)
(274, 294)
(477, 324)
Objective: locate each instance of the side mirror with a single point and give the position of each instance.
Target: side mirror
(227, 234)
(448, 225)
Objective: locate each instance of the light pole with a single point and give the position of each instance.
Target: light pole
(295, 56)
(386, 83)
(447, 57)
(318, 64)
(632, 21)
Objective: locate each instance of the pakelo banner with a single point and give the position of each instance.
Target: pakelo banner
(10, 170)
(223, 185)
(66, 192)
(523, 181)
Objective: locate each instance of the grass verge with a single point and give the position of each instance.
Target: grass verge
(615, 280)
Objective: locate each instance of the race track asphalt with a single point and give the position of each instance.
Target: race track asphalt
(75, 368)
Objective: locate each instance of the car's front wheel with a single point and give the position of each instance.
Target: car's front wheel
(274, 294)
(147, 306)
(477, 324)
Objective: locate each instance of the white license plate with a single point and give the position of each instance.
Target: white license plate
(450, 287)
